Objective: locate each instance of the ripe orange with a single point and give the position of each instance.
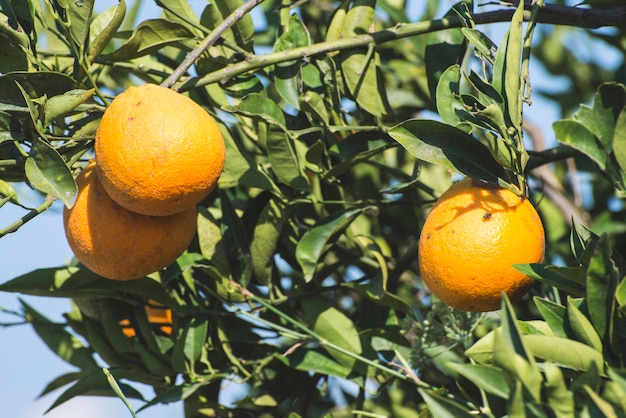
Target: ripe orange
(157, 151)
(117, 243)
(157, 314)
(472, 237)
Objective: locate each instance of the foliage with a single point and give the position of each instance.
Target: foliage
(303, 278)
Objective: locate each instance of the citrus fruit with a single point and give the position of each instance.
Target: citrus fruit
(157, 315)
(157, 151)
(117, 243)
(470, 241)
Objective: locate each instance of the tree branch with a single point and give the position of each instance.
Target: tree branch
(550, 14)
(213, 37)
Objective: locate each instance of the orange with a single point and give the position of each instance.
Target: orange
(117, 243)
(157, 314)
(471, 238)
(157, 151)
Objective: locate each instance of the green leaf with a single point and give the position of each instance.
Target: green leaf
(48, 173)
(235, 242)
(603, 408)
(13, 48)
(96, 384)
(314, 243)
(313, 104)
(449, 102)
(354, 149)
(582, 328)
(603, 277)
(62, 343)
(361, 73)
(490, 379)
(59, 382)
(241, 170)
(619, 139)
(561, 351)
(265, 239)
(360, 67)
(600, 119)
(286, 161)
(78, 15)
(316, 362)
(482, 43)
(242, 32)
(576, 135)
(553, 314)
(257, 105)
(449, 147)
(180, 11)
(335, 327)
(211, 242)
(287, 77)
(59, 106)
(35, 84)
(443, 407)
(74, 282)
(560, 398)
(103, 28)
(511, 353)
(550, 274)
(506, 70)
(149, 36)
(194, 338)
(444, 48)
(7, 193)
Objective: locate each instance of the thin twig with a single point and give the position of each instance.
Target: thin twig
(562, 15)
(30, 215)
(213, 37)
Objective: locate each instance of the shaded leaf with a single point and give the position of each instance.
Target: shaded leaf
(554, 315)
(490, 379)
(265, 238)
(443, 407)
(449, 147)
(582, 328)
(235, 242)
(317, 362)
(313, 243)
(62, 343)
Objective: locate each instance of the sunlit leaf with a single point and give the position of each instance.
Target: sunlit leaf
(149, 36)
(287, 77)
(103, 28)
(48, 173)
(335, 327)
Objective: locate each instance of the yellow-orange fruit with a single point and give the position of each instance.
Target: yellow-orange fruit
(157, 315)
(117, 243)
(157, 151)
(470, 241)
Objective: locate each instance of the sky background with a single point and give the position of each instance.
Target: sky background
(27, 365)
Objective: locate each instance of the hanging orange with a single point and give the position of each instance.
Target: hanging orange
(470, 241)
(158, 152)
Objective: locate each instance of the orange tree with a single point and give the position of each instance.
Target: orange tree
(343, 122)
